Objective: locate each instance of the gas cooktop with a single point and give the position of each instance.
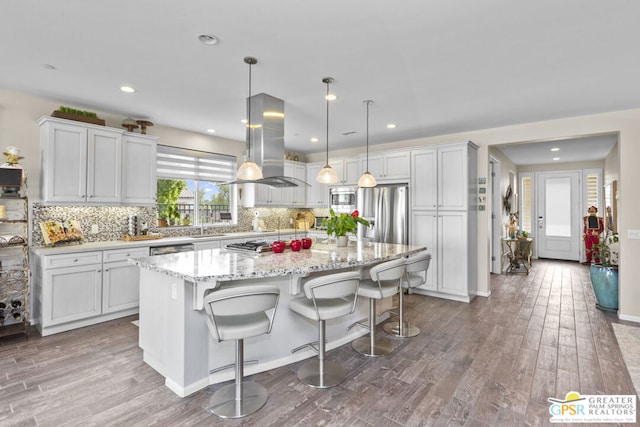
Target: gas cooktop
(253, 246)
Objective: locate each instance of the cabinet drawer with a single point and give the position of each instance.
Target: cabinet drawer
(124, 254)
(72, 259)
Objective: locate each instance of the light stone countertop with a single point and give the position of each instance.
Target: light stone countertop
(212, 265)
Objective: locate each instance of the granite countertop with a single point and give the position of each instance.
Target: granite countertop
(165, 241)
(213, 265)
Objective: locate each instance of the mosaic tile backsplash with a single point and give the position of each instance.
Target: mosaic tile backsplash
(112, 221)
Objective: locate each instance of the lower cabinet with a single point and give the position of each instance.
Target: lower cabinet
(79, 289)
(452, 273)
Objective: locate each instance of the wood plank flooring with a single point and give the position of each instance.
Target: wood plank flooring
(493, 362)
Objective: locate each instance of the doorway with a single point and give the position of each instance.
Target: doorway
(558, 215)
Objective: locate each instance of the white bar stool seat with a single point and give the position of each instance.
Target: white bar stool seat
(384, 282)
(416, 267)
(326, 297)
(236, 313)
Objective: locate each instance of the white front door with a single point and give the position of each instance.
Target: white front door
(559, 215)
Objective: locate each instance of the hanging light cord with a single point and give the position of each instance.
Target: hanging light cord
(249, 115)
(327, 100)
(368, 102)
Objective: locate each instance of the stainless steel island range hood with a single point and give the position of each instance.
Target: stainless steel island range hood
(267, 141)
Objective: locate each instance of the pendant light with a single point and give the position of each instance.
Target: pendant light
(249, 170)
(327, 175)
(367, 180)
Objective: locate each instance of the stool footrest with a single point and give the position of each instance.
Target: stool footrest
(222, 368)
(361, 323)
(313, 345)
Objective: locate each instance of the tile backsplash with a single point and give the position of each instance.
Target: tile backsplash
(112, 221)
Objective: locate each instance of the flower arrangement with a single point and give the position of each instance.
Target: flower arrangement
(607, 252)
(341, 224)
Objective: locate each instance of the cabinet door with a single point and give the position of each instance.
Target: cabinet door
(139, 170)
(317, 194)
(295, 196)
(72, 293)
(424, 232)
(396, 165)
(338, 166)
(64, 163)
(104, 166)
(120, 286)
(452, 245)
(351, 172)
(453, 173)
(376, 165)
(424, 179)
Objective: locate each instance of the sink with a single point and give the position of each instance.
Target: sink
(208, 235)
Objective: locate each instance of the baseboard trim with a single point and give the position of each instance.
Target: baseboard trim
(635, 319)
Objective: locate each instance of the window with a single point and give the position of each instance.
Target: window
(190, 189)
(526, 203)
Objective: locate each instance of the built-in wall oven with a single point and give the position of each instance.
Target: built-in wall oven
(343, 199)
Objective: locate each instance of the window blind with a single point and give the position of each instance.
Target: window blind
(182, 163)
(593, 190)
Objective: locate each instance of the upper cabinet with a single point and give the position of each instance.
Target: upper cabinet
(387, 166)
(441, 177)
(295, 196)
(348, 171)
(317, 194)
(88, 164)
(139, 169)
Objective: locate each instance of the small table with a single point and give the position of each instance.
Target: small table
(518, 253)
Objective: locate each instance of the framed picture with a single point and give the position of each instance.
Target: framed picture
(482, 180)
(482, 190)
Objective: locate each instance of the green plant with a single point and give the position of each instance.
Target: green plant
(167, 193)
(607, 251)
(340, 225)
(69, 110)
(525, 234)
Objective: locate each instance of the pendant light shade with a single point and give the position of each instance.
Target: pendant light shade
(367, 180)
(327, 175)
(249, 170)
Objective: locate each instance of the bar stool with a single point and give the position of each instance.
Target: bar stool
(384, 283)
(237, 313)
(326, 297)
(416, 267)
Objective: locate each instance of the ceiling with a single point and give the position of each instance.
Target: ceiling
(432, 67)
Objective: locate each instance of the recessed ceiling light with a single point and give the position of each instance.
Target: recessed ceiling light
(314, 139)
(208, 39)
(243, 121)
(556, 159)
(49, 67)
(331, 97)
(211, 131)
(127, 89)
(391, 126)
(555, 149)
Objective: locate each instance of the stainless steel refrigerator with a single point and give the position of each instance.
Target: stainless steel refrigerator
(386, 207)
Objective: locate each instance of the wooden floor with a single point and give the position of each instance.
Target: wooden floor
(493, 362)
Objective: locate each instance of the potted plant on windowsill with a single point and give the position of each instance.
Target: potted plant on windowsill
(339, 225)
(604, 272)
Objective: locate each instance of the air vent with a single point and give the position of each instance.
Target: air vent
(349, 133)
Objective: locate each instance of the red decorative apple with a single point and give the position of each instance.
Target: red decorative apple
(306, 242)
(278, 246)
(296, 245)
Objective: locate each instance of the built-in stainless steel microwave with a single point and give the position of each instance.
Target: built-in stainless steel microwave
(343, 199)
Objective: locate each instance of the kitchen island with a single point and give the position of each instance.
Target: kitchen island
(173, 331)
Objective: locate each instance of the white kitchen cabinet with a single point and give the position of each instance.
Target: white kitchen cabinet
(444, 217)
(72, 290)
(295, 196)
(317, 193)
(139, 169)
(387, 166)
(120, 280)
(347, 170)
(209, 244)
(441, 177)
(77, 289)
(80, 163)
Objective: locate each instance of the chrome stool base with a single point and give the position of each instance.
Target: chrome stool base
(223, 403)
(380, 346)
(393, 328)
(309, 373)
